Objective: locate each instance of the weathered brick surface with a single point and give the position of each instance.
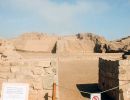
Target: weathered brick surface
(113, 73)
(37, 73)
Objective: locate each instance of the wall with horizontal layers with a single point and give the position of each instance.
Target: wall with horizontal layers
(35, 43)
(75, 46)
(39, 74)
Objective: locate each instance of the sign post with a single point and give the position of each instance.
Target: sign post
(95, 96)
(14, 91)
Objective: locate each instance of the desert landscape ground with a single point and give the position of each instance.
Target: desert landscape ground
(70, 61)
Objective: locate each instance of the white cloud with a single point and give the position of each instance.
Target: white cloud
(62, 15)
(59, 13)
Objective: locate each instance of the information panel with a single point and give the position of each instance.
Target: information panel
(15, 91)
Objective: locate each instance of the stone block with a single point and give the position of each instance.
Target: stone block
(37, 85)
(122, 70)
(123, 62)
(15, 69)
(44, 64)
(3, 75)
(14, 64)
(34, 63)
(26, 63)
(26, 70)
(25, 78)
(38, 71)
(37, 78)
(6, 63)
(49, 70)
(5, 69)
(53, 63)
(48, 81)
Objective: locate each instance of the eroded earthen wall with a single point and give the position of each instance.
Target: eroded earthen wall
(124, 78)
(114, 73)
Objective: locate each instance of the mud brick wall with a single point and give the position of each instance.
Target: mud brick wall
(39, 74)
(113, 73)
(124, 77)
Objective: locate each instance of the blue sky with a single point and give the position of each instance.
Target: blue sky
(110, 18)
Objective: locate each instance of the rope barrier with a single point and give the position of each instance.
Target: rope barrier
(99, 92)
(114, 88)
(102, 91)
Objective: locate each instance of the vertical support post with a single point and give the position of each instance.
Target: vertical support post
(121, 97)
(54, 92)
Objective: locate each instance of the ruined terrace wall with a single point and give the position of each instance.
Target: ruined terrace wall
(39, 74)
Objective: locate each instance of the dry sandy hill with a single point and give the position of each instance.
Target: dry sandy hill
(103, 45)
(89, 42)
(97, 40)
(74, 45)
(41, 42)
(35, 42)
(120, 45)
(91, 36)
(79, 43)
(6, 45)
(7, 51)
(126, 42)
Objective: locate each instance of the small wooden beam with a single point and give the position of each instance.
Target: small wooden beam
(54, 92)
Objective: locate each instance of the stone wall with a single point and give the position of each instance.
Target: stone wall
(113, 73)
(38, 73)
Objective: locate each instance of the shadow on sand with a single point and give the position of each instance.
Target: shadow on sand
(92, 88)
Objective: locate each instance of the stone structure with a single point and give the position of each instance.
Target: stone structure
(114, 73)
(38, 73)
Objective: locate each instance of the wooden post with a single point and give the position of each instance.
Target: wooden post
(121, 97)
(54, 92)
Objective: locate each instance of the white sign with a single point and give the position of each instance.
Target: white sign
(95, 96)
(14, 91)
